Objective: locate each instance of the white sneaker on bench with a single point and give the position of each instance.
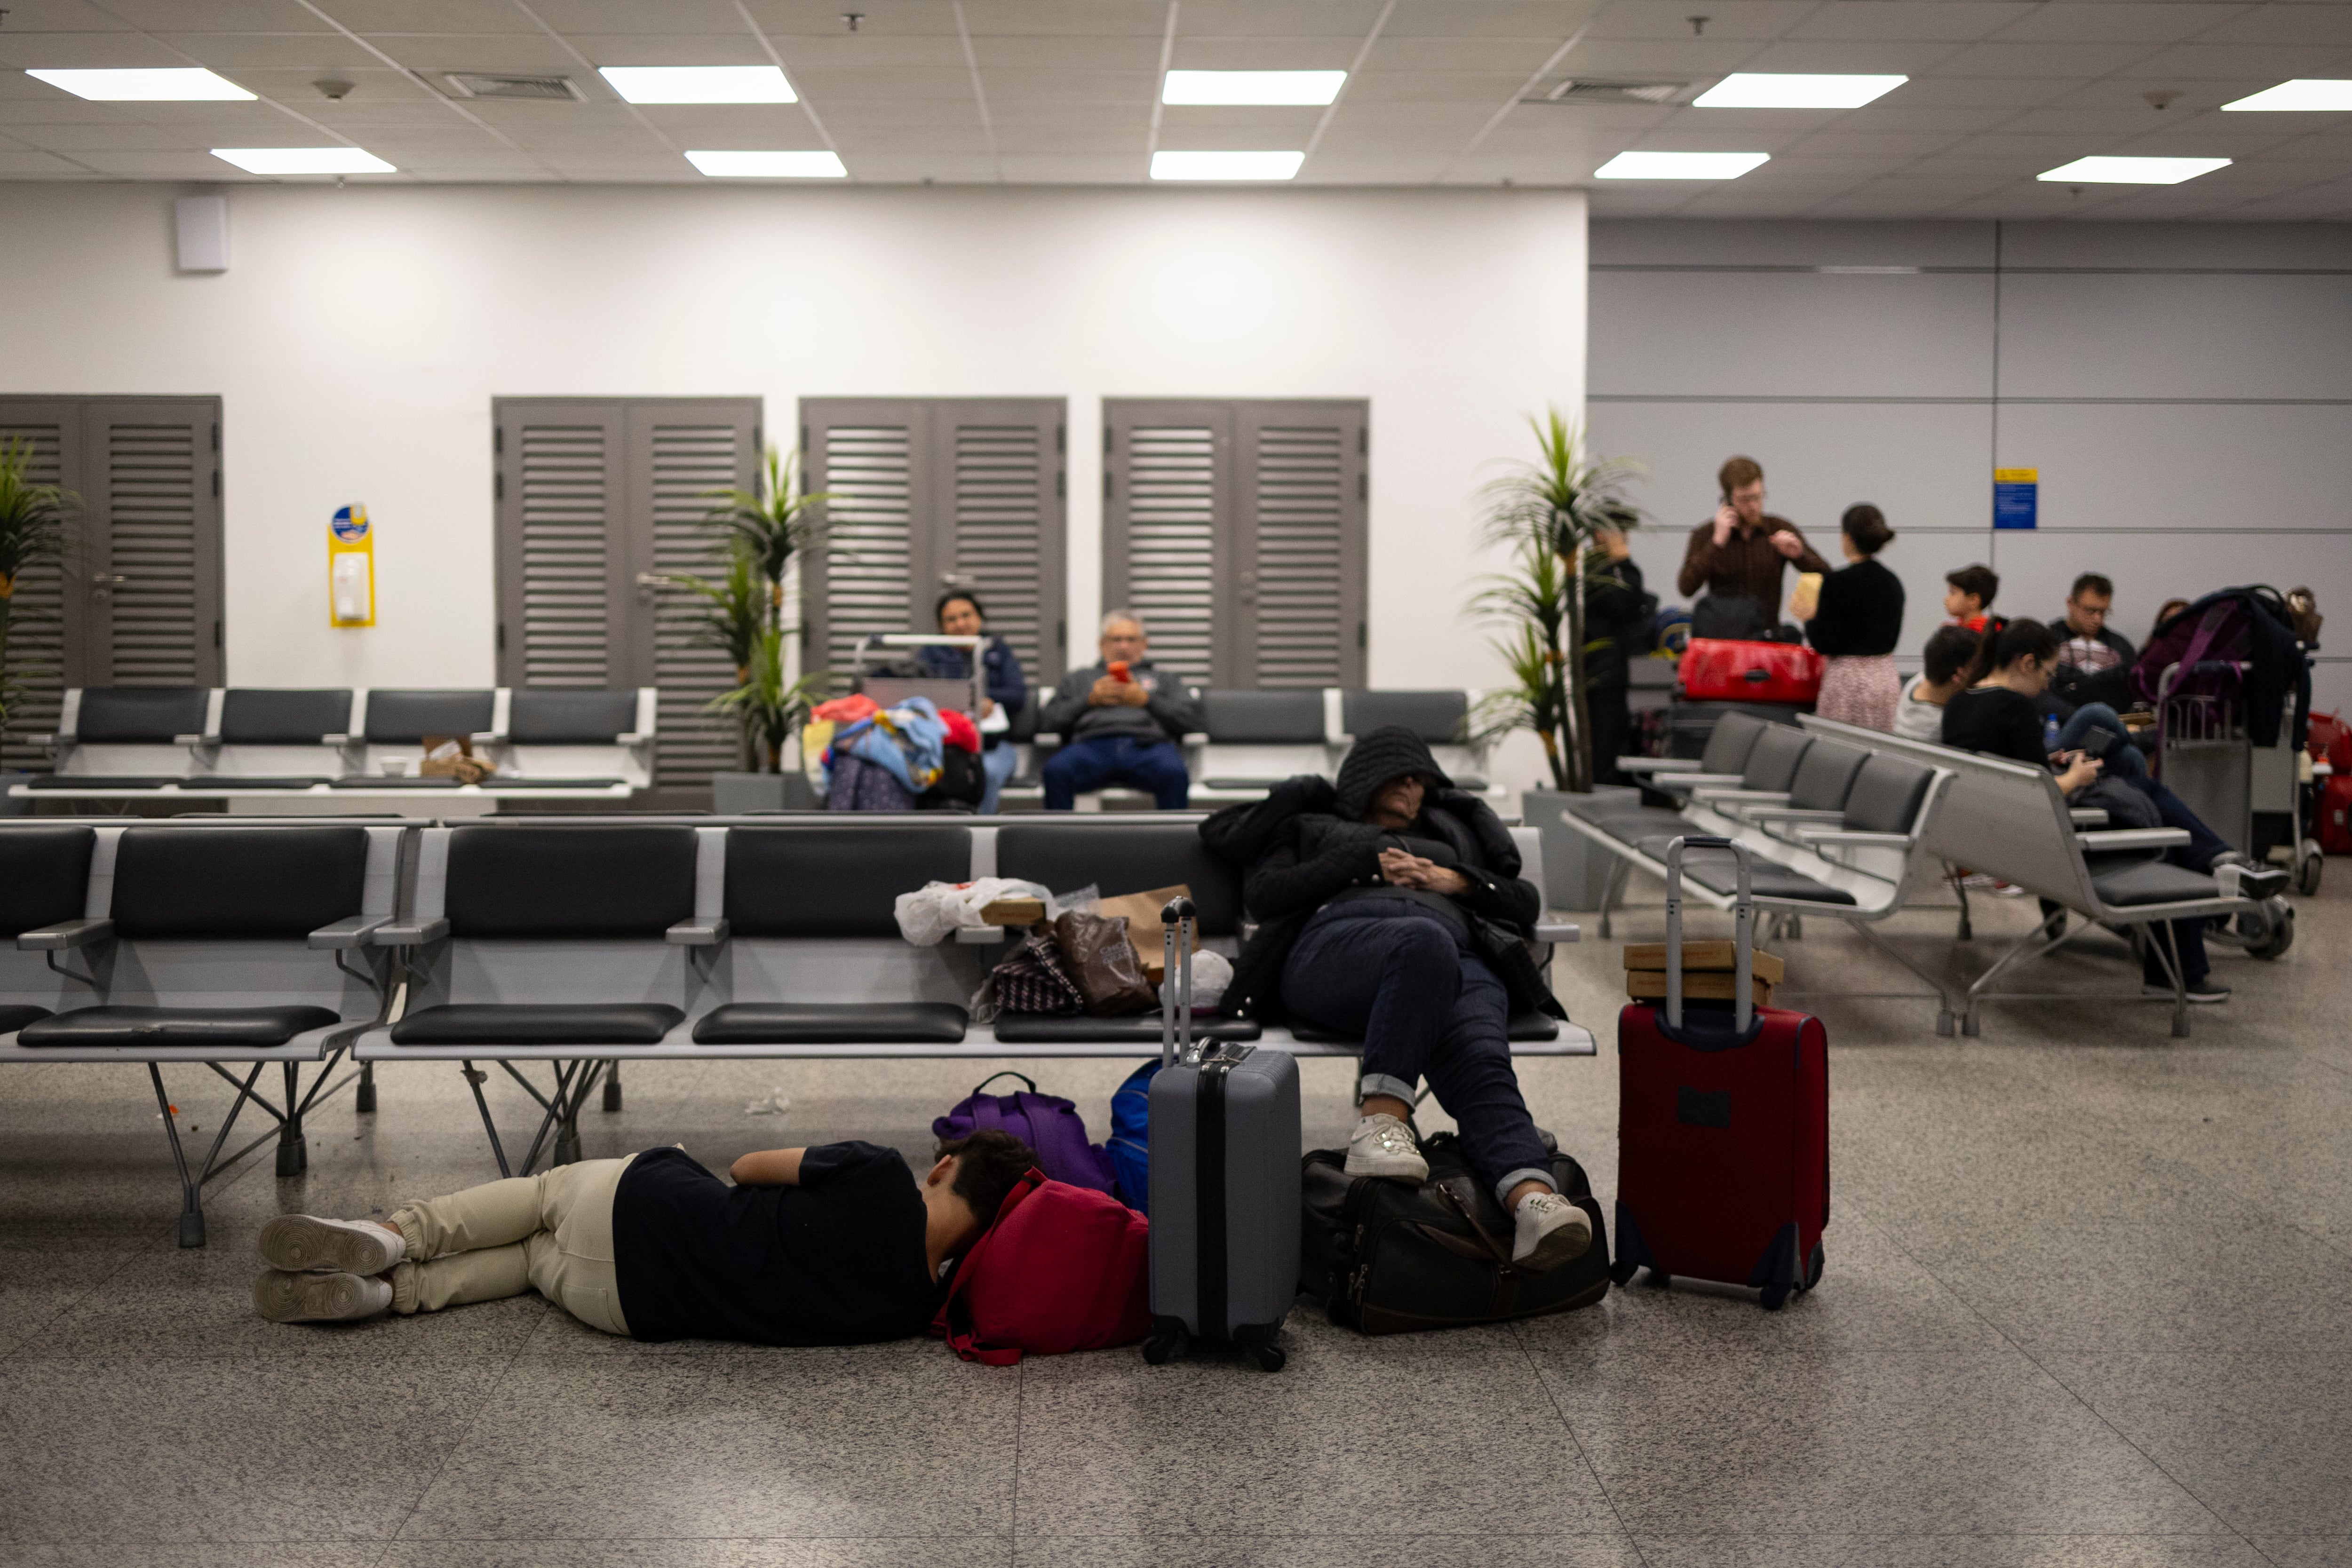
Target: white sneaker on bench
(1384, 1146)
(300, 1242)
(1551, 1231)
(284, 1296)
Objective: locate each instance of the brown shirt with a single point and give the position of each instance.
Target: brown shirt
(1744, 563)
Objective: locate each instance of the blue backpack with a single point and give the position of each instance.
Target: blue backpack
(1130, 1138)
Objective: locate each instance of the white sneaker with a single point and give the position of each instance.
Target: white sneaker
(300, 1242)
(1551, 1231)
(1383, 1147)
(284, 1296)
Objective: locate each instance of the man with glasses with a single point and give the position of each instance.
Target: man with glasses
(1737, 558)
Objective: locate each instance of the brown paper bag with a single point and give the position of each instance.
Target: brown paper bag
(1143, 927)
(1698, 986)
(1700, 956)
(452, 757)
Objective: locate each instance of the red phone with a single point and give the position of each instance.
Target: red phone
(1118, 672)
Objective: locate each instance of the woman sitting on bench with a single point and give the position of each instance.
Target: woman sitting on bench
(1394, 909)
(839, 1244)
(1997, 716)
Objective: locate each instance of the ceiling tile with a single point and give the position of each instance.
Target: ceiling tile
(1090, 53)
(966, 140)
(1978, 93)
(63, 16)
(2041, 59)
(17, 164)
(1493, 89)
(1911, 115)
(846, 114)
(780, 19)
(1333, 169)
(576, 16)
(914, 169)
(869, 51)
(2276, 63)
(822, 86)
(2075, 22)
(1046, 138)
(1731, 21)
(1269, 54)
(1888, 144)
(225, 52)
(214, 17)
(1178, 121)
(1146, 18)
(534, 53)
(84, 51)
(1653, 61)
(735, 48)
(1056, 169)
(1956, 21)
(2275, 24)
(1069, 87)
(401, 18)
(189, 164)
(1902, 56)
(1279, 18)
(1514, 56)
(1486, 18)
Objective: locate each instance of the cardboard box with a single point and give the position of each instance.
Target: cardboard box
(1698, 986)
(1012, 912)
(1701, 956)
(1144, 926)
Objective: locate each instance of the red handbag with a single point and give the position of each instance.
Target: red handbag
(1720, 670)
(1062, 1268)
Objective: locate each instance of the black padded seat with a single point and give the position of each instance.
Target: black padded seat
(371, 781)
(237, 882)
(499, 782)
(622, 882)
(1134, 1029)
(561, 717)
(256, 716)
(153, 716)
(2132, 882)
(1526, 1029)
(1773, 761)
(1826, 775)
(1263, 717)
(1728, 744)
(102, 780)
(1436, 717)
(406, 717)
(1886, 794)
(831, 1023)
(13, 1019)
(139, 1027)
(836, 881)
(1134, 857)
(44, 876)
(538, 1023)
(1633, 823)
(238, 781)
(1714, 871)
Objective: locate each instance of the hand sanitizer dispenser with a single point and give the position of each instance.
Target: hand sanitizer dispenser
(351, 568)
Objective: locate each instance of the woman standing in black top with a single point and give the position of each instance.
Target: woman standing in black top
(1857, 625)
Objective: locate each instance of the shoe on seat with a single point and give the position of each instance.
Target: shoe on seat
(1384, 1146)
(1551, 1231)
(296, 1242)
(284, 1296)
(2206, 990)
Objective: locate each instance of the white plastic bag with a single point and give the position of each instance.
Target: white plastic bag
(1212, 973)
(930, 914)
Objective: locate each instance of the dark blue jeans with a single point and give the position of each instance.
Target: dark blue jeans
(1082, 765)
(2123, 759)
(2196, 855)
(1398, 976)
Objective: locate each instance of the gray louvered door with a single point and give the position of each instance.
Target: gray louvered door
(1236, 529)
(138, 602)
(600, 502)
(932, 494)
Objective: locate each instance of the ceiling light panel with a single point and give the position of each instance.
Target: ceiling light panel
(2132, 171)
(1226, 165)
(2303, 95)
(818, 164)
(1252, 86)
(1680, 165)
(1781, 89)
(700, 84)
(194, 84)
(304, 159)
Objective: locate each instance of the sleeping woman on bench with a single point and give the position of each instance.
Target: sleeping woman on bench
(839, 1244)
(1393, 910)
(1995, 714)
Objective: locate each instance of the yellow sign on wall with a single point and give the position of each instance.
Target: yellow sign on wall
(351, 568)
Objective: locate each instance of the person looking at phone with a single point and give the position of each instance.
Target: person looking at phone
(1740, 554)
(1122, 721)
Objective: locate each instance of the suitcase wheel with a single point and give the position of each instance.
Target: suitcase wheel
(1165, 1345)
(1659, 1279)
(1773, 1298)
(1270, 1357)
(1622, 1273)
(1814, 1267)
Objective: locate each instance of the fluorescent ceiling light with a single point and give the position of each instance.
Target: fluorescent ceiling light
(1680, 165)
(304, 160)
(2132, 171)
(2303, 93)
(1251, 86)
(816, 165)
(1777, 90)
(699, 84)
(176, 85)
(1226, 165)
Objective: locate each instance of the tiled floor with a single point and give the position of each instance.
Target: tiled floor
(2089, 1300)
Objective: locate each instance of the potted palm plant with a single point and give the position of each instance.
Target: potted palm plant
(764, 528)
(33, 521)
(1548, 514)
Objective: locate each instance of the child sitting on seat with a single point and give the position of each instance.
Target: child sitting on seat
(839, 1244)
(1919, 716)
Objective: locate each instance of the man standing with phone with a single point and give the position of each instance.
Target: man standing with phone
(1737, 557)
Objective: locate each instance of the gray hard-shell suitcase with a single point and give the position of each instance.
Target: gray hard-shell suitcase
(1224, 1178)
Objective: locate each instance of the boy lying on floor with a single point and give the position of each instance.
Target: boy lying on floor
(839, 1244)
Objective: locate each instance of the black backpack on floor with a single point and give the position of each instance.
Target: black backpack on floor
(1384, 1258)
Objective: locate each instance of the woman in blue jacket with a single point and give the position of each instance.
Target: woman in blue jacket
(959, 615)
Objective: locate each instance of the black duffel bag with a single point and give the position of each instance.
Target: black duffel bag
(1385, 1258)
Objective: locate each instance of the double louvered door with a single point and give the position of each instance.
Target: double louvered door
(1235, 529)
(931, 494)
(603, 503)
(136, 600)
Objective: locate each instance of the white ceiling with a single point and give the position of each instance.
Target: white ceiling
(1063, 91)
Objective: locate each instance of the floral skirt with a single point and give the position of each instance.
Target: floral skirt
(1860, 689)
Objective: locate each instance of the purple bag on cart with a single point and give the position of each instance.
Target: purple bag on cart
(1049, 1125)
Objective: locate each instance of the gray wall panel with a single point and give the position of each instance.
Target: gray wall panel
(2162, 470)
(2171, 335)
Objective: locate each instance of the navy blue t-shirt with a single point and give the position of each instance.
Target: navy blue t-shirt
(837, 1259)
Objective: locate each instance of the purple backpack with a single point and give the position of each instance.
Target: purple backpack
(1049, 1125)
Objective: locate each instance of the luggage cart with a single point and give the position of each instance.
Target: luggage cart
(2254, 795)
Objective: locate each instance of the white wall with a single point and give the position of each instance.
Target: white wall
(2184, 390)
(360, 335)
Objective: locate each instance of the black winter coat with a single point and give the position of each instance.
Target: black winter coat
(1294, 854)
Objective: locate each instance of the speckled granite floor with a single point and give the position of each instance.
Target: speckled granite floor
(2089, 1299)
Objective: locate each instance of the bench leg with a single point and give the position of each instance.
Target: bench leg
(2168, 955)
(611, 1087)
(1943, 996)
(293, 1149)
(1959, 889)
(2043, 940)
(473, 1079)
(363, 1098)
(192, 1201)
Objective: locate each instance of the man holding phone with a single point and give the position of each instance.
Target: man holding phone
(1121, 722)
(1740, 554)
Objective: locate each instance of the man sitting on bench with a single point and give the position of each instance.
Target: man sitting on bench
(839, 1244)
(1121, 722)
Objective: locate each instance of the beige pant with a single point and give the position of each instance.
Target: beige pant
(551, 1232)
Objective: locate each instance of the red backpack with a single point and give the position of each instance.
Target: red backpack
(1062, 1268)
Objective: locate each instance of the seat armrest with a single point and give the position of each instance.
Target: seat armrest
(1689, 782)
(1843, 836)
(979, 935)
(1657, 765)
(1792, 814)
(1758, 797)
(2088, 816)
(487, 737)
(66, 933)
(1559, 931)
(359, 931)
(187, 740)
(410, 933)
(2133, 839)
(696, 933)
(334, 740)
(631, 737)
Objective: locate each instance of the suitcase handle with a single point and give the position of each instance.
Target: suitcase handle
(1177, 919)
(1743, 919)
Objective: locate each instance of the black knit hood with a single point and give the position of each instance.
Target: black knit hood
(1388, 752)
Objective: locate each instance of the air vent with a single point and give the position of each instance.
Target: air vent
(1585, 89)
(537, 89)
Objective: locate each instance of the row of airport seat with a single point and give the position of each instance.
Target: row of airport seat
(575, 943)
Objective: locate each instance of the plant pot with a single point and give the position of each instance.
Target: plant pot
(732, 794)
(1575, 868)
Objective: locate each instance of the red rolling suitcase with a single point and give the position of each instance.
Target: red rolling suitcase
(1720, 670)
(1723, 1125)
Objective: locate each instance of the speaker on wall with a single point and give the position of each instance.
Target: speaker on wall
(203, 232)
